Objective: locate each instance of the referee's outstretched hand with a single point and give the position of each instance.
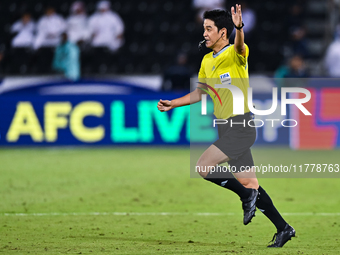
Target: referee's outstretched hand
(237, 15)
(164, 105)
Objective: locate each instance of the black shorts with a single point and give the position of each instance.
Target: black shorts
(235, 139)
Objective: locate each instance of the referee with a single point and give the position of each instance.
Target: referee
(224, 64)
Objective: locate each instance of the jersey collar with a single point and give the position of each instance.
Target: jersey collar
(221, 51)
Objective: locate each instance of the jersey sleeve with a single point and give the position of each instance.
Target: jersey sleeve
(239, 58)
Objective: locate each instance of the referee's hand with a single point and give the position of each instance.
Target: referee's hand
(164, 105)
(236, 14)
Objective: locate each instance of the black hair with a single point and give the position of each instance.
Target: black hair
(222, 19)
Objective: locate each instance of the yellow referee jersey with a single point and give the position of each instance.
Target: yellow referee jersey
(229, 67)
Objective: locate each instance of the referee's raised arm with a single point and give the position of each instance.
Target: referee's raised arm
(239, 37)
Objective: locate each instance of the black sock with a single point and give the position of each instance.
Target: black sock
(265, 205)
(228, 181)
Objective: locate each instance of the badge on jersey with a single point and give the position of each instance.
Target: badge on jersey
(225, 78)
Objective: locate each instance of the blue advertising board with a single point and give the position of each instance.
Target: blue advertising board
(30, 117)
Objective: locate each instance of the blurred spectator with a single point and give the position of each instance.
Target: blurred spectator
(49, 29)
(332, 58)
(24, 30)
(177, 77)
(20, 55)
(206, 5)
(106, 27)
(77, 23)
(296, 68)
(296, 15)
(66, 58)
(298, 43)
(106, 30)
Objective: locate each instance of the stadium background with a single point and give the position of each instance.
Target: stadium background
(167, 27)
(155, 33)
(115, 106)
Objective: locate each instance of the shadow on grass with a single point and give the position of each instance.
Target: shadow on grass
(155, 241)
(229, 245)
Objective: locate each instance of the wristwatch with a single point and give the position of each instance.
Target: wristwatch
(239, 28)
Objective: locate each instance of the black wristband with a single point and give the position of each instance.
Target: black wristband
(239, 28)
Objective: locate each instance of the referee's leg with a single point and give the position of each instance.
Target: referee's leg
(210, 158)
(205, 167)
(208, 161)
(248, 178)
(265, 204)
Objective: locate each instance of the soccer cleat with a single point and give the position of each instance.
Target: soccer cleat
(283, 236)
(249, 206)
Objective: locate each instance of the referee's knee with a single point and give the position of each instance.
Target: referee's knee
(249, 183)
(202, 168)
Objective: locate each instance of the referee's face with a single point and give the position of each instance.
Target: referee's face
(210, 34)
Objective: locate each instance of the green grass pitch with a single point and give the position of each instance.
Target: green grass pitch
(50, 197)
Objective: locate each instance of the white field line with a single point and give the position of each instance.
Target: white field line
(158, 214)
